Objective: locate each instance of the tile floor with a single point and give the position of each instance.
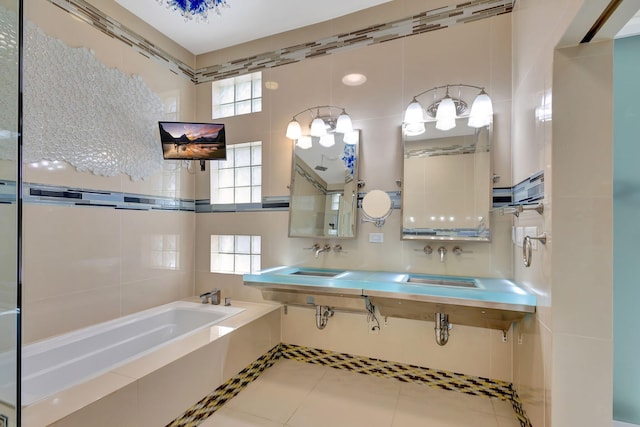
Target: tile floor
(297, 394)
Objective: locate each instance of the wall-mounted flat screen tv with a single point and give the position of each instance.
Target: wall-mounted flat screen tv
(193, 141)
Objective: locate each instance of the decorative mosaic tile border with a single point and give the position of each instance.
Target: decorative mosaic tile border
(430, 20)
(64, 196)
(445, 380)
(214, 401)
(109, 26)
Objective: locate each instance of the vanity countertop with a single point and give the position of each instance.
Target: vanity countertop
(486, 292)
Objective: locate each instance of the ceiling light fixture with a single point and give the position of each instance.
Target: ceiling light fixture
(198, 9)
(324, 125)
(446, 109)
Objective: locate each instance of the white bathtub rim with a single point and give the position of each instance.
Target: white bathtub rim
(70, 337)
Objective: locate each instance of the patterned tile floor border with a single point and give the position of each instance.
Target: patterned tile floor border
(445, 380)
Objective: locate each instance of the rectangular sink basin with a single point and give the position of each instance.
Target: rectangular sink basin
(309, 273)
(460, 283)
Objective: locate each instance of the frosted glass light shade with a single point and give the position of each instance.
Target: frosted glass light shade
(414, 113)
(344, 125)
(293, 130)
(318, 127)
(304, 142)
(327, 140)
(351, 138)
(412, 129)
(446, 114)
(481, 111)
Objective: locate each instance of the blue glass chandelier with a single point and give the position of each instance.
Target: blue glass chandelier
(198, 9)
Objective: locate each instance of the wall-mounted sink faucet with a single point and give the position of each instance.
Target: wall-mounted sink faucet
(325, 248)
(442, 251)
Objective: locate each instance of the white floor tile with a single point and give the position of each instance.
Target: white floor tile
(297, 394)
(227, 417)
(279, 391)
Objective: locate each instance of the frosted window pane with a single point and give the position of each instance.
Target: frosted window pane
(243, 195)
(226, 164)
(257, 89)
(243, 264)
(226, 95)
(226, 244)
(226, 263)
(225, 196)
(243, 156)
(243, 177)
(214, 243)
(256, 154)
(243, 107)
(256, 242)
(225, 178)
(243, 91)
(227, 110)
(243, 244)
(256, 105)
(256, 195)
(255, 263)
(214, 262)
(256, 175)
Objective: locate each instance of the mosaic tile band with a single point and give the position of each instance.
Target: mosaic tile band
(445, 380)
(430, 20)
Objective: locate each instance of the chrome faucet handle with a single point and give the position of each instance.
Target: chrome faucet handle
(457, 250)
(315, 247)
(338, 249)
(215, 296)
(427, 250)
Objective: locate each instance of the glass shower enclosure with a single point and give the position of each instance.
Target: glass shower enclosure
(10, 209)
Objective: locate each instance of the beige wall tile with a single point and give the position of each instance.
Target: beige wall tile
(102, 414)
(69, 250)
(474, 351)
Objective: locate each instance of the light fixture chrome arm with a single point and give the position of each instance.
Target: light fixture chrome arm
(447, 86)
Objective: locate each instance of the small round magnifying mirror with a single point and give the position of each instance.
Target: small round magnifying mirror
(376, 207)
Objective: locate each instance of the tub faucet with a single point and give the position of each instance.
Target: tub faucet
(442, 251)
(212, 297)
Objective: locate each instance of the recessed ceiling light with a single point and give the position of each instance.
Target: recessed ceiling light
(354, 79)
(271, 85)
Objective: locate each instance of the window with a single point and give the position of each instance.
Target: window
(237, 95)
(234, 254)
(239, 178)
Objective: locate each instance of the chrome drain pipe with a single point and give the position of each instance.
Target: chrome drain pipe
(442, 328)
(322, 316)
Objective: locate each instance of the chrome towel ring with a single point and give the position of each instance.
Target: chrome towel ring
(526, 247)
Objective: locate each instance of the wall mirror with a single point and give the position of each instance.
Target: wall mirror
(324, 188)
(447, 181)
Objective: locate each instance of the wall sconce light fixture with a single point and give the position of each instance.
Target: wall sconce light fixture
(445, 109)
(323, 125)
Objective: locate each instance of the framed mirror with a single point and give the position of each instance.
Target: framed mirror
(324, 188)
(446, 183)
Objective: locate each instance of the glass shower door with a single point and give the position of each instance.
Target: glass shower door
(10, 211)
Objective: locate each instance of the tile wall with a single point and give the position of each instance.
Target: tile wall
(83, 265)
(562, 357)
(476, 53)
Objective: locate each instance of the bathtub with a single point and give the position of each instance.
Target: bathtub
(61, 362)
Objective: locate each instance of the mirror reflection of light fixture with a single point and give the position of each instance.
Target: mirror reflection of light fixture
(445, 109)
(323, 125)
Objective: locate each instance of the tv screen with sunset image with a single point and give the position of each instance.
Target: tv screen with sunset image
(193, 141)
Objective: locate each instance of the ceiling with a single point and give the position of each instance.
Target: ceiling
(242, 21)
